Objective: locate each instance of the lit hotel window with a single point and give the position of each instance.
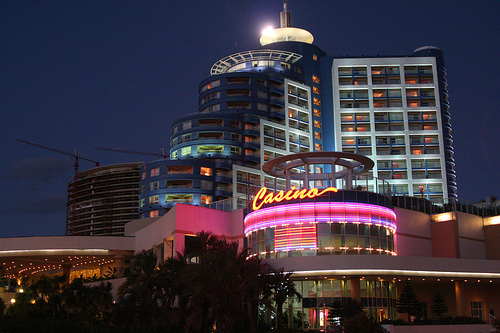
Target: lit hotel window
(316, 101)
(315, 79)
(185, 151)
(205, 171)
(315, 57)
(154, 172)
(416, 151)
(317, 147)
(205, 199)
(317, 113)
(154, 213)
(316, 90)
(317, 135)
(317, 124)
(153, 200)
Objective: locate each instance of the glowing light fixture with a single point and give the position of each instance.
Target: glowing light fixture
(267, 31)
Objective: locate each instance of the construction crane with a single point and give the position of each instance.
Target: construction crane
(162, 154)
(75, 155)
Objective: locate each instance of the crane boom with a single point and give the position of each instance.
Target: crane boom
(75, 155)
(118, 150)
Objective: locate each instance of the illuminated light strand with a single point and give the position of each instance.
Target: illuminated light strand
(262, 197)
(317, 212)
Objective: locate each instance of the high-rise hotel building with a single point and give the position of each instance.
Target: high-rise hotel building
(289, 96)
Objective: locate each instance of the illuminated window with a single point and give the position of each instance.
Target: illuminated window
(347, 118)
(174, 155)
(317, 135)
(142, 202)
(185, 151)
(205, 171)
(235, 150)
(143, 175)
(316, 101)
(349, 141)
(315, 57)
(211, 149)
(154, 172)
(317, 147)
(316, 90)
(154, 213)
(430, 140)
(317, 113)
(205, 199)
(153, 200)
(317, 124)
(416, 151)
(476, 309)
(378, 94)
(315, 79)
(186, 198)
(412, 93)
(413, 104)
(361, 129)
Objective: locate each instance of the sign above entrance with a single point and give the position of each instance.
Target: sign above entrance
(262, 197)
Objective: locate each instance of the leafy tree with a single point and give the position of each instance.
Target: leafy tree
(496, 324)
(140, 295)
(47, 294)
(2, 307)
(92, 304)
(280, 288)
(343, 309)
(439, 306)
(220, 283)
(408, 301)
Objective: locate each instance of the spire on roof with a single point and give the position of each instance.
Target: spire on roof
(285, 16)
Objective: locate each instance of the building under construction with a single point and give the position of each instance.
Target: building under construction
(101, 200)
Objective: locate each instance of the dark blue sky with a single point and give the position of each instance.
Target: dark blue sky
(86, 74)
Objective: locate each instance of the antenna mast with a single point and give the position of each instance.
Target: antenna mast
(285, 17)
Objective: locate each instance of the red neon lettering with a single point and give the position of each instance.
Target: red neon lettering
(262, 197)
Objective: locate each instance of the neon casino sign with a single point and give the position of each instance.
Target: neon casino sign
(262, 197)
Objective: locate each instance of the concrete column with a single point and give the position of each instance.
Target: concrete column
(348, 180)
(119, 261)
(460, 297)
(355, 289)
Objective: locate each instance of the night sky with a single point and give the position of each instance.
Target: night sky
(87, 74)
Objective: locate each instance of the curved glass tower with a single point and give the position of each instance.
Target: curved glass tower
(288, 96)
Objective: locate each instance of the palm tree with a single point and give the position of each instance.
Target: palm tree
(140, 296)
(220, 282)
(280, 288)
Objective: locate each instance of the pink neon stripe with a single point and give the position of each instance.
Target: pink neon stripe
(320, 212)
